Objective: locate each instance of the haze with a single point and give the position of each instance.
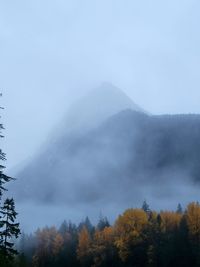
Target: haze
(51, 53)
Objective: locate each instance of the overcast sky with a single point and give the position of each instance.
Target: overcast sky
(52, 52)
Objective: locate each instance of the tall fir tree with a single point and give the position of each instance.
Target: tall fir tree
(179, 209)
(3, 178)
(102, 223)
(146, 207)
(8, 227)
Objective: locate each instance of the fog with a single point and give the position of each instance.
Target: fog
(163, 197)
(129, 157)
(53, 53)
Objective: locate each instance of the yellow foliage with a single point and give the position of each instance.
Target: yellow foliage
(84, 242)
(128, 230)
(105, 236)
(170, 220)
(57, 244)
(45, 238)
(49, 243)
(193, 219)
(102, 245)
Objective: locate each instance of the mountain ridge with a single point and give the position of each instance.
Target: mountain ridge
(113, 147)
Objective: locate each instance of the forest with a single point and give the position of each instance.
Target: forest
(138, 237)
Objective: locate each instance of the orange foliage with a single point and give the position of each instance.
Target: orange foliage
(170, 220)
(102, 247)
(57, 244)
(84, 242)
(193, 219)
(128, 230)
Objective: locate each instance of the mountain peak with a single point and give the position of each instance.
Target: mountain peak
(97, 105)
(107, 87)
(112, 94)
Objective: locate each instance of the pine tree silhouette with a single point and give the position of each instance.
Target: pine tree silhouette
(3, 178)
(9, 228)
(146, 207)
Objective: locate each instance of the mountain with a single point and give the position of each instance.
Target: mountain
(122, 159)
(95, 107)
(130, 148)
(88, 113)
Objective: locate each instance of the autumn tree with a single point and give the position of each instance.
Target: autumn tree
(137, 239)
(193, 223)
(130, 236)
(57, 244)
(84, 247)
(47, 246)
(103, 249)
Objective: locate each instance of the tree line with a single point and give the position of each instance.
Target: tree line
(139, 237)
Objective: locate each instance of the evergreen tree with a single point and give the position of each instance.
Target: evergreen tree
(179, 209)
(9, 228)
(102, 223)
(145, 207)
(84, 247)
(3, 178)
(63, 228)
(87, 223)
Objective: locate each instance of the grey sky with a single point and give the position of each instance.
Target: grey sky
(52, 52)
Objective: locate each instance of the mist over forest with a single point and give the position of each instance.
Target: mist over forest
(99, 133)
(108, 154)
(83, 199)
